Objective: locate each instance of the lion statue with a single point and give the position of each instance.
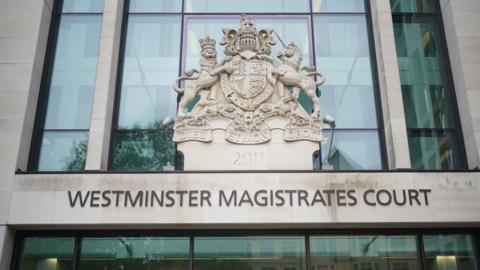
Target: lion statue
(289, 73)
(202, 80)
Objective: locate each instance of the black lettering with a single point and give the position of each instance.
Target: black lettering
(365, 197)
(117, 196)
(259, 199)
(379, 197)
(245, 199)
(147, 193)
(425, 194)
(232, 198)
(341, 197)
(279, 197)
(181, 193)
(154, 198)
(352, 197)
(106, 199)
(404, 198)
(95, 196)
(133, 202)
(78, 196)
(318, 198)
(329, 193)
(303, 196)
(205, 197)
(271, 197)
(192, 198)
(169, 198)
(413, 195)
(290, 195)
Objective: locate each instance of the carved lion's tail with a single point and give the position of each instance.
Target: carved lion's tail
(189, 76)
(311, 72)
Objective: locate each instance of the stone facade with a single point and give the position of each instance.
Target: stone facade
(24, 27)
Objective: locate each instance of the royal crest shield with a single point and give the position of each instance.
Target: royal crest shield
(247, 86)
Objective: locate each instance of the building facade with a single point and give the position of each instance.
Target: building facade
(91, 179)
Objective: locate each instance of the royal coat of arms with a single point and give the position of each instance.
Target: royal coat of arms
(248, 94)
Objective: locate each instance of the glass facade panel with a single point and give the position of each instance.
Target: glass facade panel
(343, 55)
(422, 72)
(246, 253)
(139, 253)
(353, 150)
(150, 66)
(235, 6)
(143, 150)
(449, 252)
(428, 94)
(42, 253)
(364, 253)
(73, 6)
(151, 6)
(413, 5)
(338, 6)
(74, 70)
(63, 151)
(432, 150)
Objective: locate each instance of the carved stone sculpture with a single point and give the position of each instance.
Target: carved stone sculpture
(248, 96)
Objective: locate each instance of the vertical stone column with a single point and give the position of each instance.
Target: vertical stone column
(462, 31)
(24, 26)
(390, 86)
(103, 100)
(6, 246)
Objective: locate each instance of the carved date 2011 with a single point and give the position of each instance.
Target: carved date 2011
(248, 158)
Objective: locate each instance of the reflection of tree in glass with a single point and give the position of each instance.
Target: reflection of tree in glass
(144, 149)
(76, 160)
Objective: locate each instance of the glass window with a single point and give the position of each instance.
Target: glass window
(143, 137)
(143, 150)
(140, 253)
(353, 150)
(338, 6)
(428, 94)
(258, 6)
(61, 140)
(413, 5)
(63, 151)
(422, 72)
(47, 253)
(150, 66)
(343, 55)
(432, 150)
(74, 70)
(151, 6)
(246, 253)
(449, 252)
(83, 6)
(364, 253)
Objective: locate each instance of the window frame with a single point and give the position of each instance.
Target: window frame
(436, 14)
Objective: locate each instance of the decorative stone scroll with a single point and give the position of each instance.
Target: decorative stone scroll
(248, 94)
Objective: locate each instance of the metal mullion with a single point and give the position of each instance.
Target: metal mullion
(376, 85)
(83, 13)
(308, 261)
(191, 252)
(340, 13)
(421, 251)
(246, 13)
(77, 250)
(154, 13)
(65, 130)
(138, 130)
(119, 80)
(45, 84)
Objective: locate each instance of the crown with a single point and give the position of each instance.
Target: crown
(207, 43)
(247, 34)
